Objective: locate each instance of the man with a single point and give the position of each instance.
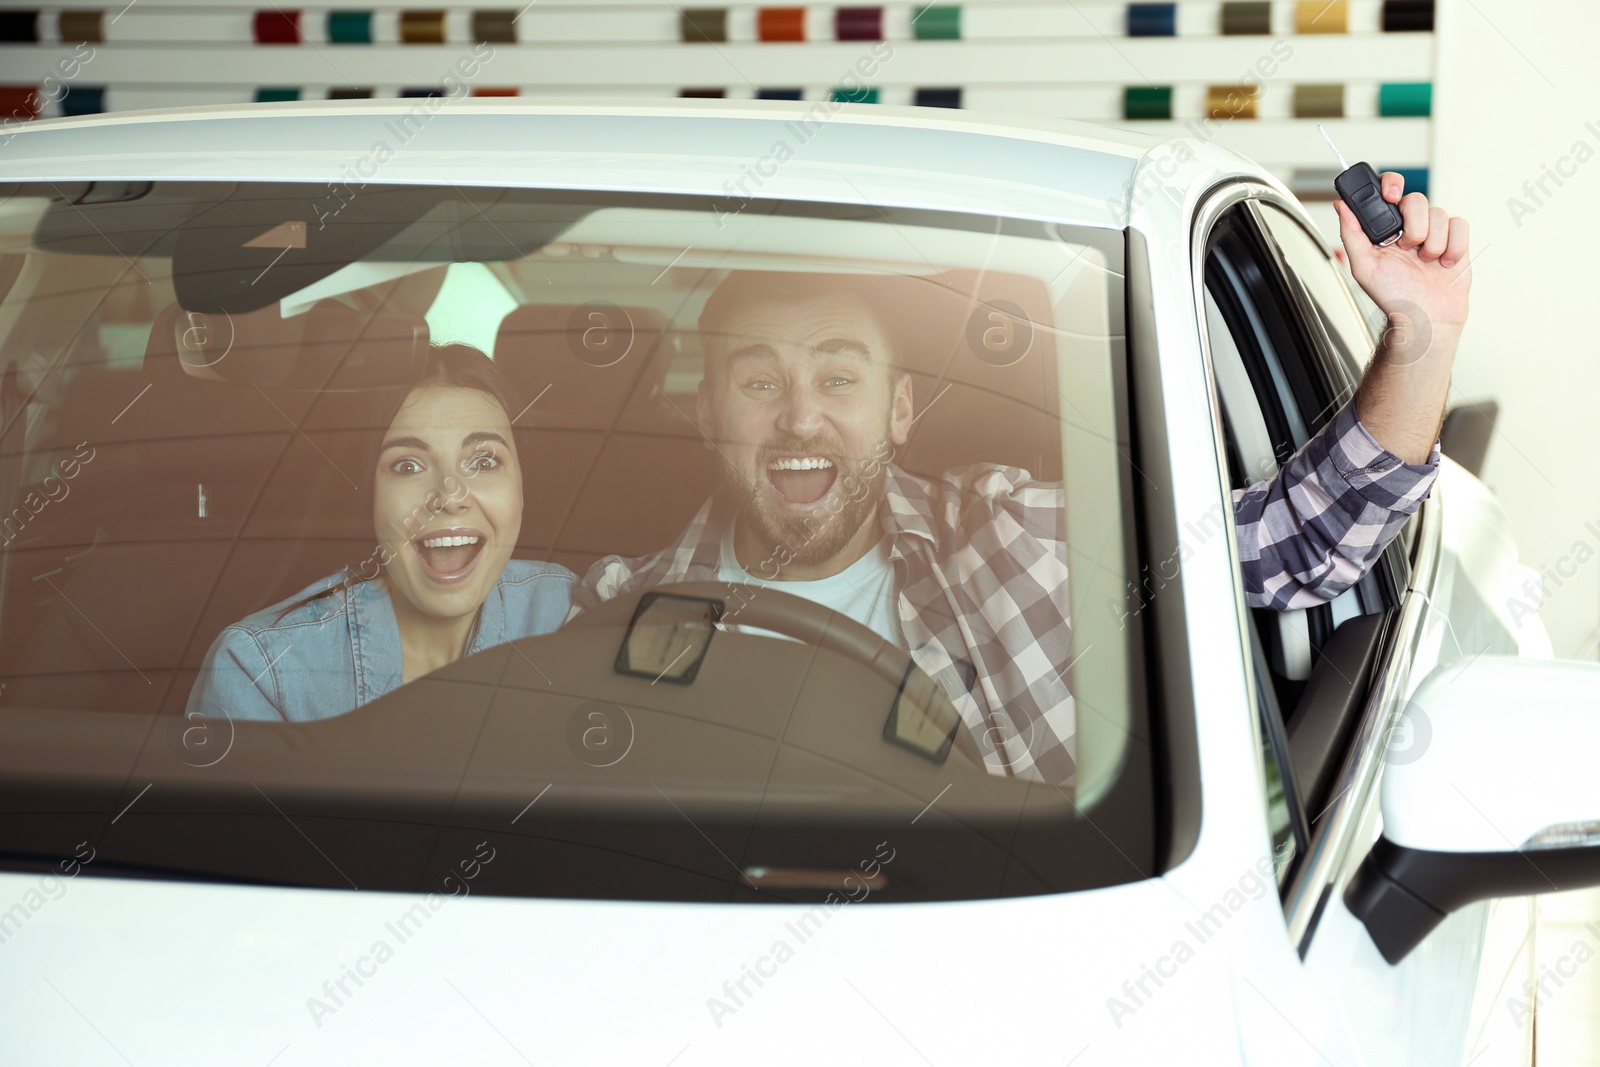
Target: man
(802, 400)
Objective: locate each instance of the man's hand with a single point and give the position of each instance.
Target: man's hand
(1421, 283)
(1426, 269)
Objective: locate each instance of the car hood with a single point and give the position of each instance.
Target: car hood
(178, 973)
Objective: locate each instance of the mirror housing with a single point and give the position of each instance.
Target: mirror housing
(1494, 795)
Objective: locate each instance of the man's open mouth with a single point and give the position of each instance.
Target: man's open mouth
(801, 480)
(449, 555)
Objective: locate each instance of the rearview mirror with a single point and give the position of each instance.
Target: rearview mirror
(1496, 795)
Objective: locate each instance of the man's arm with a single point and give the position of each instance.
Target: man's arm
(1314, 530)
(1421, 283)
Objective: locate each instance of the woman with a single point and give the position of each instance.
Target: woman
(441, 584)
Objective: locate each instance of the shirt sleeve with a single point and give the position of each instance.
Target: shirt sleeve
(1313, 531)
(236, 681)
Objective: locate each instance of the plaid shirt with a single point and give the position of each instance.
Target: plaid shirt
(980, 559)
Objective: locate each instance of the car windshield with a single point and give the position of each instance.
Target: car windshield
(683, 547)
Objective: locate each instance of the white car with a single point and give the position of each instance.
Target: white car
(1305, 837)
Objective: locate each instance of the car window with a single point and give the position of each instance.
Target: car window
(1272, 401)
(1322, 285)
(406, 507)
(1280, 793)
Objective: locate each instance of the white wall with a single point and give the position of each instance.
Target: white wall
(1516, 83)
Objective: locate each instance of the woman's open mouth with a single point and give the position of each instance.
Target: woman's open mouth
(800, 481)
(449, 555)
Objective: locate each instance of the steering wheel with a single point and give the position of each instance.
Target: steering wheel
(766, 608)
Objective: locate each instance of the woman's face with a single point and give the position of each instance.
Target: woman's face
(448, 500)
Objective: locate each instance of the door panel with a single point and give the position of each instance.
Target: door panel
(1435, 1007)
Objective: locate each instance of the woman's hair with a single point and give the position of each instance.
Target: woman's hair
(448, 366)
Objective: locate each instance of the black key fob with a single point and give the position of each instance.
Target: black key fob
(1380, 220)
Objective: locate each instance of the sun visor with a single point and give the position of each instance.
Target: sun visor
(239, 247)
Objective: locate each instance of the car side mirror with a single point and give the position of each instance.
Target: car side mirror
(1495, 795)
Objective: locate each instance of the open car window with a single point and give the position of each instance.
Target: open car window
(203, 596)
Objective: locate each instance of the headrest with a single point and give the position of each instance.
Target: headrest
(196, 424)
(587, 356)
(332, 346)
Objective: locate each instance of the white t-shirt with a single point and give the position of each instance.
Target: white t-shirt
(863, 591)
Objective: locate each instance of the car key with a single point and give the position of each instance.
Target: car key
(1359, 188)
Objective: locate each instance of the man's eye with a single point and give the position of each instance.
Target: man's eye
(761, 385)
(838, 381)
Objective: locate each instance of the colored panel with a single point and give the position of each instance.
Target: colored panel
(702, 94)
(1321, 16)
(350, 27)
(781, 24)
(1152, 20)
(1147, 102)
(19, 27)
(779, 94)
(1318, 101)
(938, 98)
(858, 23)
(496, 91)
(274, 94)
(698, 25)
(421, 94)
(276, 26)
(349, 93)
(1405, 99)
(84, 100)
(1402, 16)
(937, 22)
(494, 27)
(1246, 18)
(1231, 101)
(75, 26)
(1416, 178)
(422, 27)
(1314, 183)
(19, 102)
(865, 95)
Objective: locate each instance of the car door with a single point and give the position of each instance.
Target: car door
(1399, 1014)
(1287, 341)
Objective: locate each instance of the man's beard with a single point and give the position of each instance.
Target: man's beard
(809, 540)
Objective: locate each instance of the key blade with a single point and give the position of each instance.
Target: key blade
(1343, 166)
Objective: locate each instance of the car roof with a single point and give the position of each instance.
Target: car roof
(732, 149)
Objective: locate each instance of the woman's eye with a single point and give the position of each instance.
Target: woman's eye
(483, 461)
(406, 466)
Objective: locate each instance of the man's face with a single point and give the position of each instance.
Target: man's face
(802, 403)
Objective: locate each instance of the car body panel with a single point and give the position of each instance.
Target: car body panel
(236, 968)
(1063, 171)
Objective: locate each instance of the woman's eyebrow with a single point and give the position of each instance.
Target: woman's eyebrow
(407, 442)
(483, 435)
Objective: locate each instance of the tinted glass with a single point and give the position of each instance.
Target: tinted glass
(683, 548)
(1333, 300)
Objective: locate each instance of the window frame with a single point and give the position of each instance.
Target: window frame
(1227, 204)
(1337, 836)
(1138, 827)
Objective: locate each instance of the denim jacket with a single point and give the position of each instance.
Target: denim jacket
(340, 651)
